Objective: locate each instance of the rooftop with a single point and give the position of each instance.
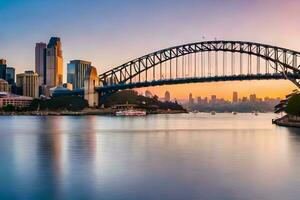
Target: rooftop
(10, 95)
(53, 42)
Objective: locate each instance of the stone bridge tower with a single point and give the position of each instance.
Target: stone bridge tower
(90, 82)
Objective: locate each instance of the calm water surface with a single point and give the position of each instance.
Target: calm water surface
(186, 156)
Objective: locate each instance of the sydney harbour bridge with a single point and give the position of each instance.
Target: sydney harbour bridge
(206, 61)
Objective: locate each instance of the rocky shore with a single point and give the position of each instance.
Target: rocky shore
(288, 121)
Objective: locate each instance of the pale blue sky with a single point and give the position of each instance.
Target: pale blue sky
(109, 33)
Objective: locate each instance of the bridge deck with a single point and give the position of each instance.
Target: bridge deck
(195, 80)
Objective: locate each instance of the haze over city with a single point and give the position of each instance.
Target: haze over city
(113, 32)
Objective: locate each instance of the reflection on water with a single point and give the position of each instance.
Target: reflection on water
(188, 156)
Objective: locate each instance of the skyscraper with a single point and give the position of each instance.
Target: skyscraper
(40, 62)
(235, 97)
(167, 96)
(191, 100)
(54, 63)
(77, 72)
(10, 75)
(253, 98)
(213, 99)
(28, 84)
(3, 69)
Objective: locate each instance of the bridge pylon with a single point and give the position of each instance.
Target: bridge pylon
(90, 82)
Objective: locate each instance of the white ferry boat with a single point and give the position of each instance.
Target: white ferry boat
(131, 113)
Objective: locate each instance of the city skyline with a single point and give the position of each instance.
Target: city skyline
(156, 99)
(192, 97)
(107, 46)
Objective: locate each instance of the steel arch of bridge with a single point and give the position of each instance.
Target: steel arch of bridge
(284, 62)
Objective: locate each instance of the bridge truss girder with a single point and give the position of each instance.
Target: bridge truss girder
(281, 60)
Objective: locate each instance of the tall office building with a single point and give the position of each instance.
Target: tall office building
(253, 98)
(167, 96)
(235, 97)
(54, 63)
(213, 99)
(10, 75)
(3, 69)
(28, 83)
(40, 62)
(191, 99)
(77, 72)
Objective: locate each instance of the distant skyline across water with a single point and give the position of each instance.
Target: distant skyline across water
(208, 96)
(109, 33)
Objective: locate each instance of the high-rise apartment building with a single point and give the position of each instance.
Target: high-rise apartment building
(235, 97)
(3, 69)
(167, 96)
(10, 75)
(76, 73)
(28, 83)
(54, 63)
(40, 62)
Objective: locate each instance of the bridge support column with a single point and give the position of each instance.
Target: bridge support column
(90, 82)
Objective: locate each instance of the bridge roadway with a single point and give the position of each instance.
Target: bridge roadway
(116, 87)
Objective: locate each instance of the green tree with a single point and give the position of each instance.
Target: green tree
(293, 105)
(9, 108)
(71, 103)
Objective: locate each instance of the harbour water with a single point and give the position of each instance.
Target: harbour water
(182, 156)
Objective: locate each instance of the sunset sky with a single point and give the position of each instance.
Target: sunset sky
(109, 33)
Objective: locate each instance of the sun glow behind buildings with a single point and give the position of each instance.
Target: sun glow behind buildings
(269, 88)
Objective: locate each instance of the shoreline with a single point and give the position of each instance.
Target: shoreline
(105, 112)
(287, 121)
(99, 112)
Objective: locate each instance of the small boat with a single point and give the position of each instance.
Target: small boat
(213, 113)
(131, 113)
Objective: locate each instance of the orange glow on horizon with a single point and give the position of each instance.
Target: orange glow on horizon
(266, 88)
